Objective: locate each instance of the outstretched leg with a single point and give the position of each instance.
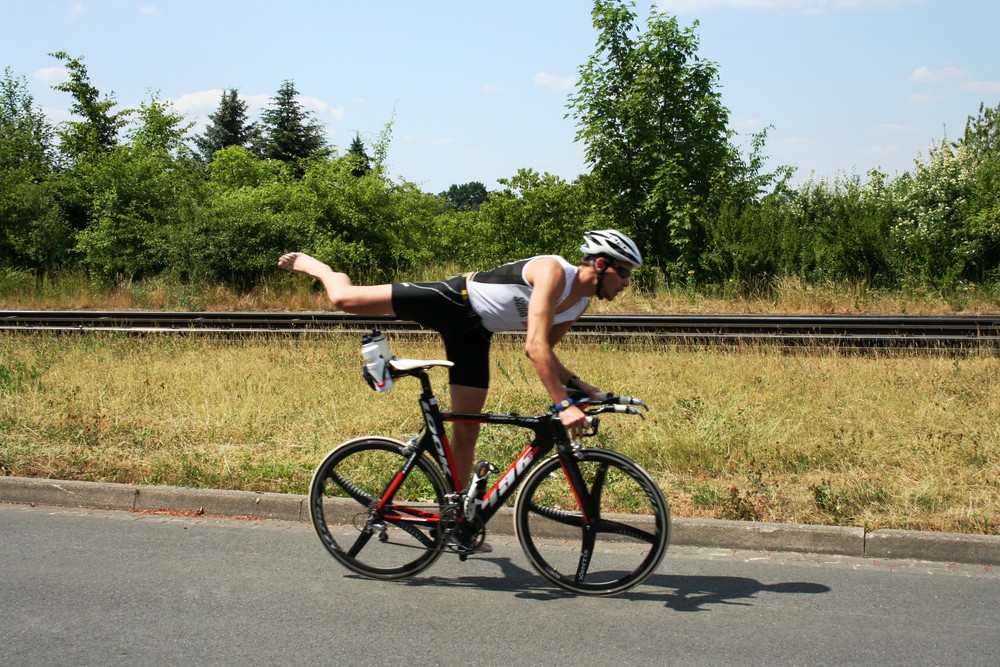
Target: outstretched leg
(344, 295)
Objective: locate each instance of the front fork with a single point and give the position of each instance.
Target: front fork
(570, 454)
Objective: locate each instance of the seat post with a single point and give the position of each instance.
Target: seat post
(427, 391)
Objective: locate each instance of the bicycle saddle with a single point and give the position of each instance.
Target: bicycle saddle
(413, 364)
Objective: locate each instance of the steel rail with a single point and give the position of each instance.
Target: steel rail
(857, 331)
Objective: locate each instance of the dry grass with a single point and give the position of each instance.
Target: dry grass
(792, 295)
(286, 292)
(817, 437)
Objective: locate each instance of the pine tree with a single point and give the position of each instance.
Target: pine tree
(290, 133)
(361, 164)
(228, 127)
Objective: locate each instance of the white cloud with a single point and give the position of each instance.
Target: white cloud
(491, 88)
(201, 101)
(925, 97)
(52, 75)
(207, 101)
(928, 75)
(981, 86)
(747, 124)
(545, 80)
(57, 115)
(79, 9)
(793, 6)
(76, 10)
(322, 108)
(256, 102)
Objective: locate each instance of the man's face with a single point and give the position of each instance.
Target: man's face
(616, 278)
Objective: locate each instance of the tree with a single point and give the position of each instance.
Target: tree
(290, 133)
(140, 197)
(33, 232)
(361, 164)
(26, 136)
(228, 126)
(982, 135)
(98, 131)
(655, 130)
(467, 197)
(982, 142)
(534, 214)
(160, 128)
(931, 237)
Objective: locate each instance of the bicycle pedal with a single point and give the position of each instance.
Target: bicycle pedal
(466, 549)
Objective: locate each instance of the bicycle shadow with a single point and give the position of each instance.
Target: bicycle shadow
(684, 593)
(696, 593)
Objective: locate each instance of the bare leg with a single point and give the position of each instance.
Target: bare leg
(464, 435)
(344, 295)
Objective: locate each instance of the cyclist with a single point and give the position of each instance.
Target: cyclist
(542, 295)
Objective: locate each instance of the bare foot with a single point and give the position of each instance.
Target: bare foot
(299, 262)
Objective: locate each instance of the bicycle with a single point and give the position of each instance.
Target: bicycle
(386, 509)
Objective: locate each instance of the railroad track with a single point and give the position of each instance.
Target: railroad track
(860, 332)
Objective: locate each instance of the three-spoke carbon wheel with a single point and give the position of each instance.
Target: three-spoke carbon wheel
(398, 539)
(572, 536)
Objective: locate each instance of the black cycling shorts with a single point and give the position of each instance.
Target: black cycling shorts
(444, 307)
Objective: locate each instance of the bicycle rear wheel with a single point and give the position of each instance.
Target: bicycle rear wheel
(599, 540)
(398, 539)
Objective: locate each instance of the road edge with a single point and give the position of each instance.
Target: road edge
(698, 532)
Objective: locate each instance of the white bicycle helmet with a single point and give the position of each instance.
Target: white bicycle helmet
(613, 244)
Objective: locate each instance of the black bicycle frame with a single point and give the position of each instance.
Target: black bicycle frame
(548, 433)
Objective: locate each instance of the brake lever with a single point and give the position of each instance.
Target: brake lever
(592, 424)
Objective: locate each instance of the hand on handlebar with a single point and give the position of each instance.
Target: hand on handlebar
(575, 422)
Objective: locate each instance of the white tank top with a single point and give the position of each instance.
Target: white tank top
(500, 296)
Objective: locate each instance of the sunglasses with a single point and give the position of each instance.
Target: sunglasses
(622, 272)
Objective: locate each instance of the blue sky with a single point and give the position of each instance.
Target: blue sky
(478, 90)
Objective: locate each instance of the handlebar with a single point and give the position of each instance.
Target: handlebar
(605, 402)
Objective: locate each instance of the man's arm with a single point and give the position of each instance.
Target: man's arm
(548, 282)
(567, 376)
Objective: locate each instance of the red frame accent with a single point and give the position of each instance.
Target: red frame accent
(391, 491)
(407, 513)
(579, 501)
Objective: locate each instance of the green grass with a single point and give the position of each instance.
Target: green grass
(815, 436)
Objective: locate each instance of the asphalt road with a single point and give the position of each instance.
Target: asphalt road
(99, 587)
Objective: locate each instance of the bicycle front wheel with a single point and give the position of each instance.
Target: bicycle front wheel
(372, 518)
(599, 536)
